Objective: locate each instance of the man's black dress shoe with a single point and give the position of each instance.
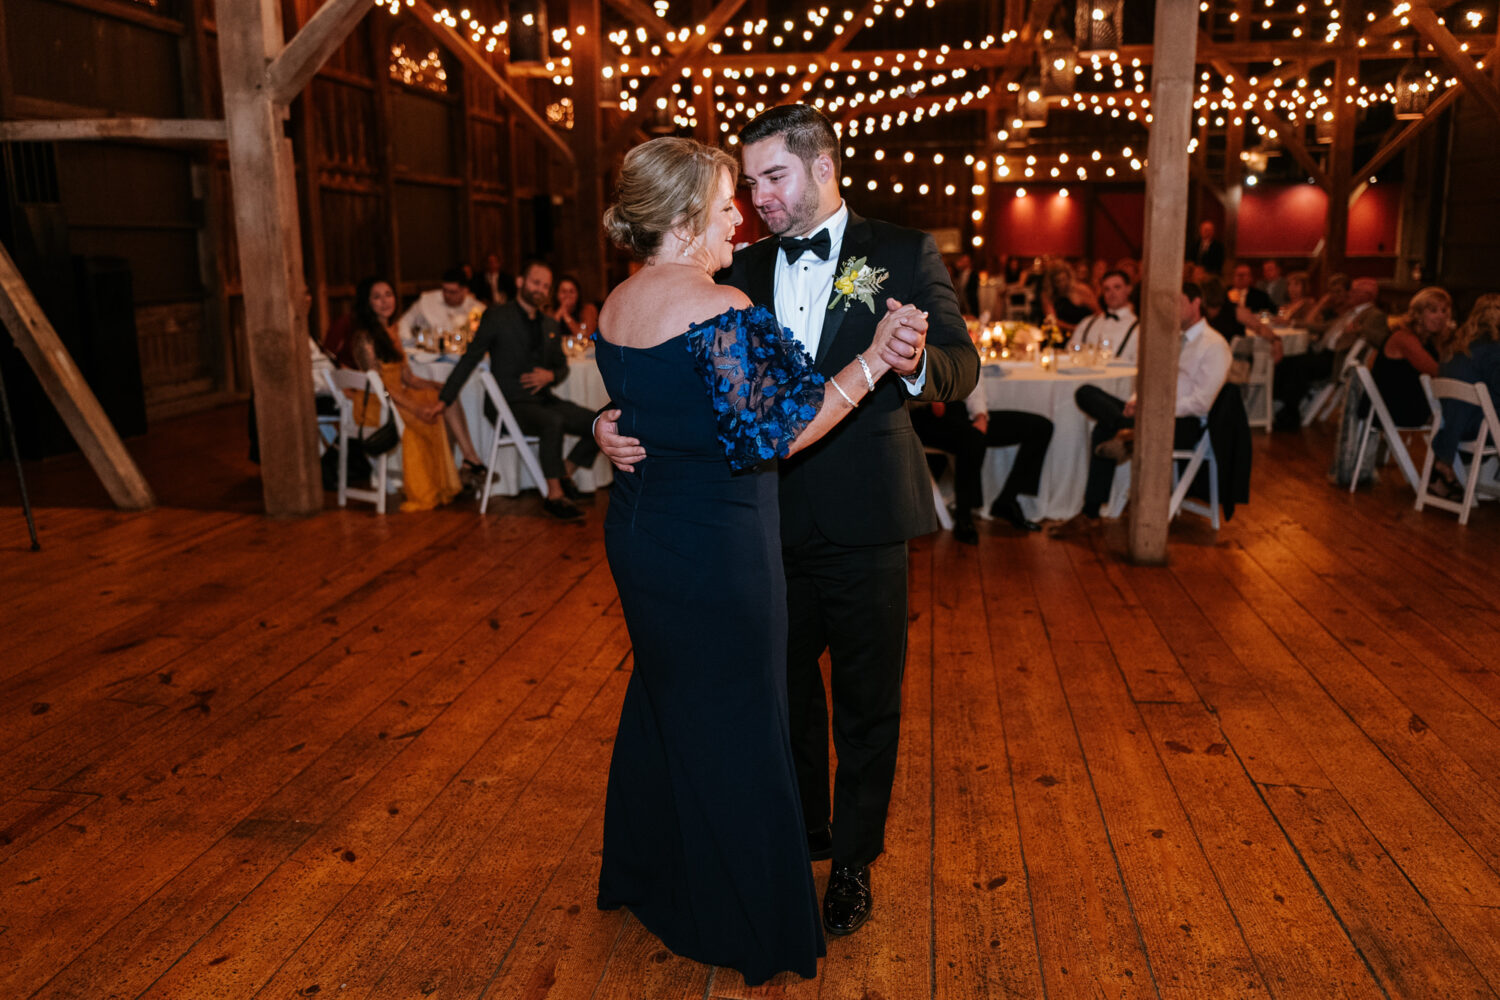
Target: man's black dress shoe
(964, 531)
(561, 509)
(572, 493)
(848, 901)
(820, 843)
(1010, 509)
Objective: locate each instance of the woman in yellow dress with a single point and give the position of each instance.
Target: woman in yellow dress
(427, 469)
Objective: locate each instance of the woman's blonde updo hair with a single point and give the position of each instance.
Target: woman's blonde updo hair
(665, 184)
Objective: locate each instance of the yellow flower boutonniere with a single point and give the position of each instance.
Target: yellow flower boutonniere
(857, 280)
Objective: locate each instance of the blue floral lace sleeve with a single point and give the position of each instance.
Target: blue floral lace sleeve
(761, 382)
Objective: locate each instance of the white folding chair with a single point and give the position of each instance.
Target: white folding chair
(1380, 413)
(508, 434)
(1322, 404)
(1255, 385)
(382, 481)
(1182, 480)
(1485, 446)
(945, 519)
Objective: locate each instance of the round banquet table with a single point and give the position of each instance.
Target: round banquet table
(1294, 339)
(1021, 385)
(583, 386)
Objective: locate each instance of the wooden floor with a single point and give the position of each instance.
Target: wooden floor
(355, 756)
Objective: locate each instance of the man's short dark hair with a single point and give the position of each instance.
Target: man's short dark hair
(531, 263)
(1212, 291)
(454, 276)
(806, 131)
(1192, 291)
(1115, 272)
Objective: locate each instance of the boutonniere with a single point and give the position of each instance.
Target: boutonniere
(858, 280)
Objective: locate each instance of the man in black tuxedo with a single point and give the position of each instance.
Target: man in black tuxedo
(849, 503)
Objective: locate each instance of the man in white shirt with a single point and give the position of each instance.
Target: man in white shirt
(1202, 366)
(1117, 325)
(444, 310)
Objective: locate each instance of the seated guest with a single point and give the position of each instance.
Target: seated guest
(427, 472)
(492, 286)
(1220, 314)
(574, 313)
(1331, 305)
(1360, 320)
(446, 310)
(1406, 356)
(1202, 367)
(1300, 303)
(1272, 283)
(967, 430)
(1242, 290)
(1470, 354)
(1116, 325)
(1064, 298)
(526, 358)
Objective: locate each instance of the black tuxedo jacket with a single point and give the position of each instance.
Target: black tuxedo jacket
(866, 482)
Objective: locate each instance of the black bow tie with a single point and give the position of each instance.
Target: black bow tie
(1110, 315)
(820, 244)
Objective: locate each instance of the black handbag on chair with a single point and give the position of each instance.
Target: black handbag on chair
(384, 438)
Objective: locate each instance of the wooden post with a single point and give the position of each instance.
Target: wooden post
(1340, 164)
(1166, 232)
(39, 344)
(269, 231)
(588, 184)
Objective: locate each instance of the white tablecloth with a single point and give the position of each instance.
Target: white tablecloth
(583, 386)
(1026, 386)
(1293, 340)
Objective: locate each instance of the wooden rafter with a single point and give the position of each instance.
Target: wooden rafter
(839, 44)
(687, 59)
(169, 130)
(639, 14)
(472, 58)
(1426, 23)
(294, 67)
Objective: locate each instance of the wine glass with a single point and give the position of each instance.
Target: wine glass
(1105, 351)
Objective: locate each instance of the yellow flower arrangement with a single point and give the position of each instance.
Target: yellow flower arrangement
(857, 280)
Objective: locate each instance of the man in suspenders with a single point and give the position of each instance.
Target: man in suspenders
(1116, 324)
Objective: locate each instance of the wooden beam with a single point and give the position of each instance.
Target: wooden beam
(588, 184)
(670, 74)
(839, 44)
(152, 129)
(639, 14)
(475, 60)
(1172, 89)
(38, 342)
(1484, 91)
(1341, 161)
(297, 63)
(1413, 129)
(268, 228)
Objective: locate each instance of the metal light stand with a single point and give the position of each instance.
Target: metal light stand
(15, 453)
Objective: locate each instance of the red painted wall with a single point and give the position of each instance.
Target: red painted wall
(1372, 221)
(1043, 222)
(1287, 221)
(1119, 222)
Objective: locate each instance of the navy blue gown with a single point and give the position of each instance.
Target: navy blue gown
(703, 833)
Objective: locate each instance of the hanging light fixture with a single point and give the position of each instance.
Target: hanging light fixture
(1324, 125)
(1099, 24)
(1059, 61)
(1412, 95)
(1031, 105)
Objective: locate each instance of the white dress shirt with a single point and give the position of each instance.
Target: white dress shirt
(803, 288)
(1202, 366)
(431, 312)
(1100, 327)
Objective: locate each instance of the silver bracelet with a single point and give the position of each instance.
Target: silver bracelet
(869, 382)
(835, 383)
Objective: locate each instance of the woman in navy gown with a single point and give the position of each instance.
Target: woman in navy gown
(704, 840)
